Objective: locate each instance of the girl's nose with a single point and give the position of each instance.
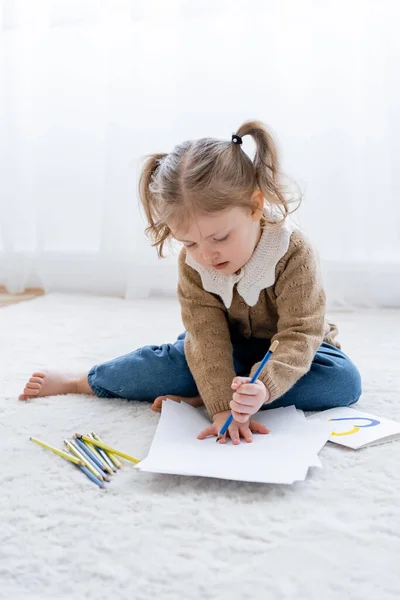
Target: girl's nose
(209, 256)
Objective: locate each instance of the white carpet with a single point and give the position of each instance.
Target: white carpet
(334, 536)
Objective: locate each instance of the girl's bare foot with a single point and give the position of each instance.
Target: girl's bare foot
(157, 404)
(54, 383)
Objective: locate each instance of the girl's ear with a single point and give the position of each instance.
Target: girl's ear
(257, 205)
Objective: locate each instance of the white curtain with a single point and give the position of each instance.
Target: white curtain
(89, 87)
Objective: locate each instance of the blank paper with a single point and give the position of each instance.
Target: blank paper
(282, 456)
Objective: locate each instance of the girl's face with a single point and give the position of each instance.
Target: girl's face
(222, 240)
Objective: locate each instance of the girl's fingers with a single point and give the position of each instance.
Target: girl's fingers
(258, 427)
(238, 381)
(236, 431)
(234, 434)
(240, 417)
(207, 432)
(241, 408)
(242, 399)
(248, 389)
(246, 433)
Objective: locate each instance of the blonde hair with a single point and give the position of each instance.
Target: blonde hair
(209, 175)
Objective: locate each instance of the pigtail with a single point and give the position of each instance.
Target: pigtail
(157, 231)
(266, 166)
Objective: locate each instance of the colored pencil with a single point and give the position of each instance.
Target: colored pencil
(112, 457)
(106, 466)
(92, 477)
(103, 454)
(86, 461)
(61, 453)
(100, 473)
(262, 364)
(107, 459)
(87, 452)
(92, 458)
(108, 448)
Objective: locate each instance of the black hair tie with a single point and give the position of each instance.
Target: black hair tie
(236, 139)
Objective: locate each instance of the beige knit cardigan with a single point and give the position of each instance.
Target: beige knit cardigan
(292, 311)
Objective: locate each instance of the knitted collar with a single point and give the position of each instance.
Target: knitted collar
(257, 274)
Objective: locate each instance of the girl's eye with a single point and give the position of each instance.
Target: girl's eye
(189, 245)
(222, 239)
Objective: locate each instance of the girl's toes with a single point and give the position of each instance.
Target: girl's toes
(157, 404)
(36, 379)
(33, 386)
(41, 375)
(22, 397)
(30, 392)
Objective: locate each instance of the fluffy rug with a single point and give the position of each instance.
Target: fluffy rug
(334, 536)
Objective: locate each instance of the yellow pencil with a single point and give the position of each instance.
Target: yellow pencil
(106, 466)
(109, 449)
(61, 453)
(113, 458)
(86, 463)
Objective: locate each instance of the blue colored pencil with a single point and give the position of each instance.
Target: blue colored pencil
(264, 361)
(106, 466)
(100, 472)
(103, 453)
(89, 453)
(92, 477)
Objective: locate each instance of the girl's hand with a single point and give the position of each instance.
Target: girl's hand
(248, 398)
(235, 430)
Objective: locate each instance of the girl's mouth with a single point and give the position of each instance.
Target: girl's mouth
(221, 265)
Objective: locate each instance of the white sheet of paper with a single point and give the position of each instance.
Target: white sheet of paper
(355, 429)
(291, 418)
(282, 456)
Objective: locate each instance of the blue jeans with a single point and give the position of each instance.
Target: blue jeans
(151, 371)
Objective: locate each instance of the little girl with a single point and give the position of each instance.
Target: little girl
(247, 277)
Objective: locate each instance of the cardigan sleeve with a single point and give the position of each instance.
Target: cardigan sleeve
(208, 346)
(300, 301)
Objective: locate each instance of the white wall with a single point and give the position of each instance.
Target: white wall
(89, 87)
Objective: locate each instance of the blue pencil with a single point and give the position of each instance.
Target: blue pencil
(264, 361)
(100, 472)
(89, 453)
(92, 477)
